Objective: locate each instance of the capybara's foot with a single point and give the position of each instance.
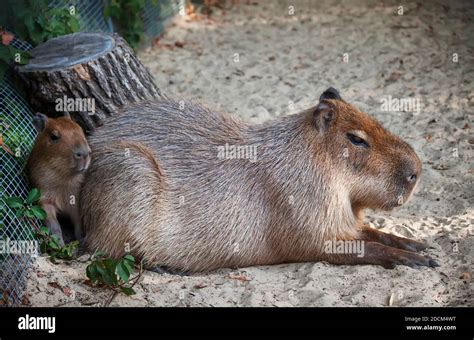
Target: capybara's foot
(409, 259)
(167, 270)
(374, 235)
(385, 256)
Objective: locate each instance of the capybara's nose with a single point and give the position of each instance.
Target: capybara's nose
(411, 174)
(412, 178)
(81, 153)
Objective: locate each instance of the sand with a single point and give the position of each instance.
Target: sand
(284, 64)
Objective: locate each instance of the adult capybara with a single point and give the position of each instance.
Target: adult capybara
(56, 166)
(184, 187)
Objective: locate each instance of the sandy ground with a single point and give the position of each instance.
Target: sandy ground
(285, 62)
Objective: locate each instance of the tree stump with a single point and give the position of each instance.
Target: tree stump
(89, 75)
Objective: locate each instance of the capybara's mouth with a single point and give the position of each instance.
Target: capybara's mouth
(83, 164)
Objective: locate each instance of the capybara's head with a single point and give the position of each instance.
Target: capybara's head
(61, 142)
(379, 169)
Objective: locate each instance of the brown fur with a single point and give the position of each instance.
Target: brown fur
(157, 186)
(54, 169)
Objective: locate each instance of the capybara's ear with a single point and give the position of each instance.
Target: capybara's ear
(39, 121)
(323, 116)
(66, 114)
(330, 93)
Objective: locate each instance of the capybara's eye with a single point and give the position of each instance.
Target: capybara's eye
(55, 136)
(356, 140)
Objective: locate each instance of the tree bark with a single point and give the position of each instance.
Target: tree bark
(96, 68)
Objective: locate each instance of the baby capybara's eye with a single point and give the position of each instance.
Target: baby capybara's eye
(356, 140)
(55, 136)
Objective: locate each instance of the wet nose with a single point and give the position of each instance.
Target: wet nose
(81, 153)
(412, 173)
(411, 179)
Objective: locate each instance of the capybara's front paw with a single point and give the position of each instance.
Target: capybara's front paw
(412, 245)
(409, 259)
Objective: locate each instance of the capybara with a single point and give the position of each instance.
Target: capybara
(186, 188)
(57, 165)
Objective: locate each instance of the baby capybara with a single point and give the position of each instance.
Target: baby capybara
(187, 188)
(56, 166)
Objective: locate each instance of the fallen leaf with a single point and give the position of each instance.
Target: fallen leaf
(7, 38)
(67, 291)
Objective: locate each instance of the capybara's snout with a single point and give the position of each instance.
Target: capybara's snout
(410, 172)
(82, 157)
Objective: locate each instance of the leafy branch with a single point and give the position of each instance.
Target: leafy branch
(114, 274)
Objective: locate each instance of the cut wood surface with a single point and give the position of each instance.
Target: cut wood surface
(85, 68)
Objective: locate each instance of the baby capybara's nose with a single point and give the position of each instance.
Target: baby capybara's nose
(81, 152)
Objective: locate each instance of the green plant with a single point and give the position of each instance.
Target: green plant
(126, 15)
(35, 22)
(49, 243)
(27, 207)
(9, 55)
(114, 274)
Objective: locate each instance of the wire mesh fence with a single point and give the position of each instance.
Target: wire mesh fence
(90, 14)
(18, 136)
(156, 15)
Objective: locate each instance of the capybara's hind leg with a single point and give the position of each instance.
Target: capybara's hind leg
(374, 235)
(379, 254)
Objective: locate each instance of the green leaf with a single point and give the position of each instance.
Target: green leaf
(43, 248)
(53, 245)
(123, 272)
(33, 196)
(29, 23)
(14, 202)
(28, 213)
(92, 273)
(127, 291)
(38, 212)
(44, 230)
(129, 265)
(74, 24)
(20, 213)
(129, 257)
(108, 276)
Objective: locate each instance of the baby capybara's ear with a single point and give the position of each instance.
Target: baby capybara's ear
(323, 116)
(39, 121)
(330, 93)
